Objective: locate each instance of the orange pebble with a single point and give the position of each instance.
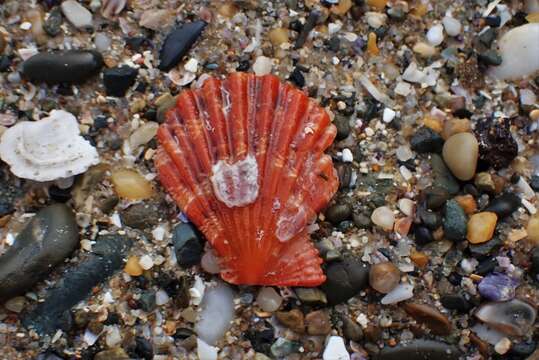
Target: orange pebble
(372, 48)
(467, 203)
(132, 267)
(419, 258)
(377, 4)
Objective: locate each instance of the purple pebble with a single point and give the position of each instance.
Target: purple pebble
(497, 287)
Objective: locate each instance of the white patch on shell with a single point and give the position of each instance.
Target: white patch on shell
(291, 222)
(236, 184)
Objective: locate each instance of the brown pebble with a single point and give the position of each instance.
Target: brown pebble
(384, 277)
(318, 323)
(467, 203)
(292, 319)
(437, 322)
(420, 259)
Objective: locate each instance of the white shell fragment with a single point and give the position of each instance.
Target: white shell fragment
(335, 349)
(519, 49)
(48, 149)
(217, 313)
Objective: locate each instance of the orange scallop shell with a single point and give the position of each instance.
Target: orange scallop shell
(244, 158)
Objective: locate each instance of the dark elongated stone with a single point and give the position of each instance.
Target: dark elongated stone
(178, 42)
(420, 350)
(345, 279)
(187, 244)
(310, 23)
(45, 241)
(437, 322)
(442, 175)
(504, 205)
(117, 80)
(454, 222)
(78, 282)
(72, 66)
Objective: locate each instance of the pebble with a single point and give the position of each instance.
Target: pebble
(178, 42)
(375, 19)
(437, 322)
(15, 304)
(520, 41)
(452, 26)
(50, 236)
(318, 323)
(420, 349)
(262, 65)
(278, 36)
(283, 347)
(310, 295)
(490, 57)
(205, 351)
(131, 185)
(442, 176)
(454, 221)
(269, 299)
(119, 79)
(143, 135)
(146, 262)
(77, 14)
(53, 23)
(504, 205)
(78, 282)
(423, 235)
(71, 66)
(383, 217)
(423, 49)
(460, 153)
(533, 229)
(384, 277)
(140, 216)
(400, 293)
(335, 349)
(435, 35)
(133, 267)
(407, 206)
(435, 197)
(456, 302)
(514, 317)
(293, 319)
(497, 287)
(210, 263)
(483, 182)
(345, 279)
(343, 127)
(217, 313)
(338, 213)
(404, 153)
(188, 245)
(425, 140)
(481, 227)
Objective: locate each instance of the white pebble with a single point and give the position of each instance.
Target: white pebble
(159, 232)
(404, 153)
(191, 65)
(375, 19)
(197, 291)
(262, 65)
(26, 25)
(102, 42)
(383, 217)
(268, 299)
(452, 26)
(205, 351)
(335, 349)
(146, 262)
(161, 297)
(388, 115)
(468, 265)
(502, 346)
(114, 337)
(77, 14)
(217, 313)
(435, 35)
(347, 155)
(89, 337)
(407, 206)
(400, 293)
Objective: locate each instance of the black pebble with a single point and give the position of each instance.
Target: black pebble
(497, 147)
(187, 244)
(5, 63)
(504, 205)
(137, 42)
(345, 279)
(261, 340)
(297, 78)
(52, 25)
(243, 65)
(534, 183)
(493, 21)
(296, 25)
(487, 37)
(423, 235)
(456, 302)
(310, 23)
(178, 42)
(117, 80)
(143, 348)
(486, 266)
(100, 122)
(151, 114)
(60, 195)
(490, 57)
(334, 44)
(338, 212)
(425, 140)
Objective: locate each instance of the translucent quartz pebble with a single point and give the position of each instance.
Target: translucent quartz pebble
(514, 317)
(217, 313)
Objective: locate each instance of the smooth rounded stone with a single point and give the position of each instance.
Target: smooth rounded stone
(383, 217)
(140, 216)
(130, 184)
(342, 123)
(425, 140)
(455, 221)
(504, 205)
(206, 351)
(144, 348)
(335, 349)
(460, 153)
(435, 35)
(53, 23)
(318, 323)
(519, 49)
(269, 299)
(311, 295)
(513, 318)
(102, 42)
(490, 57)
(452, 26)
(430, 219)
(45, 241)
(435, 197)
(424, 49)
(117, 80)
(15, 304)
(188, 244)
(456, 302)
(533, 229)
(178, 42)
(384, 277)
(419, 349)
(338, 212)
(422, 235)
(262, 65)
(292, 319)
(483, 182)
(217, 313)
(345, 279)
(437, 322)
(481, 227)
(400, 293)
(523, 348)
(497, 287)
(442, 176)
(77, 14)
(71, 66)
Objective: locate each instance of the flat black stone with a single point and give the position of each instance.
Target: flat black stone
(117, 80)
(78, 282)
(419, 350)
(345, 279)
(504, 205)
(188, 244)
(425, 140)
(456, 302)
(178, 42)
(72, 66)
(45, 241)
(422, 235)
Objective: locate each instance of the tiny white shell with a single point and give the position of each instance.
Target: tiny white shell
(48, 149)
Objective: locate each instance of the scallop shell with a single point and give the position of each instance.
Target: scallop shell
(244, 158)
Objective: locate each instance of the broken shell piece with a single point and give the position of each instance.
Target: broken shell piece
(48, 149)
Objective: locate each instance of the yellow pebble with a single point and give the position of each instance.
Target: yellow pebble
(342, 7)
(227, 10)
(533, 229)
(132, 267)
(372, 48)
(433, 123)
(420, 10)
(278, 36)
(377, 4)
(131, 185)
(533, 17)
(481, 227)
